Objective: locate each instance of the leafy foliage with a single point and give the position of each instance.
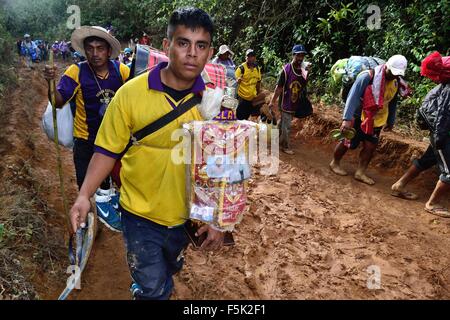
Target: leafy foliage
(330, 30)
(6, 48)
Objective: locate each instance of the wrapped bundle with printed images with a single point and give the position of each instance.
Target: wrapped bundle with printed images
(219, 171)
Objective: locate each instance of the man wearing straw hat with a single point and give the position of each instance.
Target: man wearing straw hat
(90, 86)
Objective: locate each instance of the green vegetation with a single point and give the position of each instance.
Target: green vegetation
(6, 52)
(329, 29)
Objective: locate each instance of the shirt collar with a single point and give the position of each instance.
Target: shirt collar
(154, 80)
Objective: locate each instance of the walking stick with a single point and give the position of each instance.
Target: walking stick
(58, 151)
(84, 236)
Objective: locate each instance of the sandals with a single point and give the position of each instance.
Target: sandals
(404, 195)
(338, 135)
(439, 211)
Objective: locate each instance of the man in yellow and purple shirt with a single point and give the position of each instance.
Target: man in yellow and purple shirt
(89, 86)
(153, 201)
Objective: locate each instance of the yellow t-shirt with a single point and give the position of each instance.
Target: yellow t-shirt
(382, 115)
(153, 186)
(247, 87)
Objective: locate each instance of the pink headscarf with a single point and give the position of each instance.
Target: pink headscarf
(436, 67)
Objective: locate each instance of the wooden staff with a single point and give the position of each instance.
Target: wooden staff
(58, 151)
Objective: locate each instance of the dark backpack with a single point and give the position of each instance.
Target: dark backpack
(427, 112)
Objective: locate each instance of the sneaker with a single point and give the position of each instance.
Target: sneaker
(112, 194)
(135, 289)
(288, 151)
(107, 211)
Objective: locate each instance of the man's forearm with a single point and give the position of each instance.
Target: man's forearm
(99, 168)
(355, 95)
(392, 112)
(258, 87)
(58, 97)
(276, 94)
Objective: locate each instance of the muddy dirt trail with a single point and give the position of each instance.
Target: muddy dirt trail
(309, 234)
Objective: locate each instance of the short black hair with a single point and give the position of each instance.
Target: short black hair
(94, 38)
(192, 18)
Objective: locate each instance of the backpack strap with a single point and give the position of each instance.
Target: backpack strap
(162, 122)
(165, 120)
(242, 68)
(117, 68)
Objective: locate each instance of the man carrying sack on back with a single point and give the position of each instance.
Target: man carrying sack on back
(371, 106)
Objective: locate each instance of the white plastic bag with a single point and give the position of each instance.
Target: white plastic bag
(211, 103)
(64, 120)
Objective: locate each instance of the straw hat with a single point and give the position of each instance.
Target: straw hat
(84, 32)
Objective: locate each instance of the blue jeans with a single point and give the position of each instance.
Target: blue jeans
(154, 255)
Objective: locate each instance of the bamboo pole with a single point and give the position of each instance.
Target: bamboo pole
(58, 151)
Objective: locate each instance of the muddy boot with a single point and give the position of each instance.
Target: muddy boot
(362, 177)
(336, 168)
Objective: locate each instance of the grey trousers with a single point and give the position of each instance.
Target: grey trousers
(285, 129)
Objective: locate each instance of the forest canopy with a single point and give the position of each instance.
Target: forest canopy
(330, 30)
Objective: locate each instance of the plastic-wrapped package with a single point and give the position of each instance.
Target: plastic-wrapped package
(211, 103)
(219, 171)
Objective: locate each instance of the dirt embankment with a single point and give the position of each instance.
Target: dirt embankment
(32, 246)
(308, 234)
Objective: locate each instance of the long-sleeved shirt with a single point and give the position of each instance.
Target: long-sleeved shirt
(353, 105)
(443, 111)
(229, 65)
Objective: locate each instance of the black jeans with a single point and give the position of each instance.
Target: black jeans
(427, 160)
(246, 109)
(443, 159)
(83, 151)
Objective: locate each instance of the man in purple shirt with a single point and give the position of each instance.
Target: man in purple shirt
(64, 48)
(90, 86)
(290, 87)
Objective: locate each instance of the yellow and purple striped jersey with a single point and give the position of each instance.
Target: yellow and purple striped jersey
(78, 85)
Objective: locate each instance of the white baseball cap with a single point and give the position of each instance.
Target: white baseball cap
(397, 64)
(250, 52)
